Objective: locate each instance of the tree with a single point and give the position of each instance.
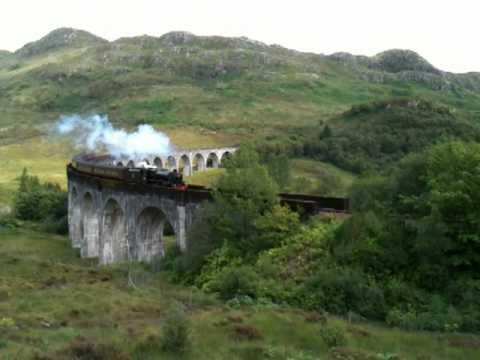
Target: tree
(427, 216)
(244, 194)
(44, 202)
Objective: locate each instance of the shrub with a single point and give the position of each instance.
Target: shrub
(236, 281)
(342, 290)
(176, 331)
(7, 221)
(437, 316)
(44, 202)
(6, 323)
(149, 343)
(333, 335)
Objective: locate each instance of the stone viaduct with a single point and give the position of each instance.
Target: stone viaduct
(115, 217)
(114, 220)
(187, 161)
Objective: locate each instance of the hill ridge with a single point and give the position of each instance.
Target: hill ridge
(59, 38)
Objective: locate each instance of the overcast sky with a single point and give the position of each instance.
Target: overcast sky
(446, 33)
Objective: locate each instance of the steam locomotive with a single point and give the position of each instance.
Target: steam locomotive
(142, 173)
(162, 177)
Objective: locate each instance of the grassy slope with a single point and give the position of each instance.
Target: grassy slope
(41, 156)
(264, 93)
(316, 172)
(54, 297)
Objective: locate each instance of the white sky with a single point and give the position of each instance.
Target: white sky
(447, 33)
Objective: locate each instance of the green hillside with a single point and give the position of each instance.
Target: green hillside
(378, 134)
(57, 306)
(396, 279)
(229, 85)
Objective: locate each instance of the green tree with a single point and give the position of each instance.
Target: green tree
(275, 227)
(427, 216)
(45, 202)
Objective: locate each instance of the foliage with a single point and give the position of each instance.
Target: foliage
(279, 168)
(333, 335)
(6, 323)
(280, 352)
(176, 331)
(8, 221)
(376, 135)
(99, 308)
(235, 281)
(44, 202)
(422, 225)
(341, 291)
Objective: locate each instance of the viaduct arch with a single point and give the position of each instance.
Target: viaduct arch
(186, 161)
(118, 221)
(114, 219)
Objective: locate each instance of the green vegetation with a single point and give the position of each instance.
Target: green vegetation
(367, 286)
(56, 305)
(407, 256)
(229, 85)
(316, 177)
(376, 135)
(46, 203)
(417, 229)
(206, 178)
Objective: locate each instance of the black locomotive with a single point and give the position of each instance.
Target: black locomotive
(95, 165)
(162, 177)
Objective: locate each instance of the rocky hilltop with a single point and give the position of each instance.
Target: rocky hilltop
(214, 81)
(408, 67)
(60, 39)
(222, 55)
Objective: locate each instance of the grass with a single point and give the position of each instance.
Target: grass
(205, 178)
(46, 157)
(51, 297)
(316, 177)
(43, 157)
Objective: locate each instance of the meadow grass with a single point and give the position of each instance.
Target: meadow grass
(206, 178)
(46, 156)
(43, 157)
(51, 297)
(315, 177)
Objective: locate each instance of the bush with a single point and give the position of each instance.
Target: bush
(333, 336)
(236, 281)
(43, 202)
(176, 331)
(436, 316)
(343, 290)
(8, 222)
(376, 135)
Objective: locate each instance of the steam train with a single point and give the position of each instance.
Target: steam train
(143, 173)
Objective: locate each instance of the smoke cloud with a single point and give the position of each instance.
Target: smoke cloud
(96, 133)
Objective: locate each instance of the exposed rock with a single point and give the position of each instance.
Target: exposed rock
(408, 67)
(395, 61)
(175, 38)
(5, 54)
(60, 38)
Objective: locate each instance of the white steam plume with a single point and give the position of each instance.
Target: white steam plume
(96, 133)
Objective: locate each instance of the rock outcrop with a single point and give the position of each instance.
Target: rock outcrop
(58, 39)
